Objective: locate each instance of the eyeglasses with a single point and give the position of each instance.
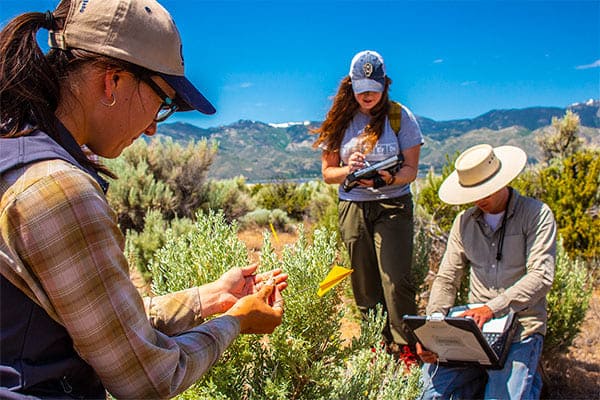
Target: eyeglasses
(168, 106)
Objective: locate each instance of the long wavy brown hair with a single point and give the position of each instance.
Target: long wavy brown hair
(344, 108)
(31, 81)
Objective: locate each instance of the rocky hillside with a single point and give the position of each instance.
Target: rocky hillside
(261, 151)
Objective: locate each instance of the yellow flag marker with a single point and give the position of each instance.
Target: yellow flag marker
(335, 276)
(274, 233)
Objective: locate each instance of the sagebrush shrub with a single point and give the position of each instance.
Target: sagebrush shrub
(140, 247)
(571, 188)
(163, 175)
(183, 168)
(261, 218)
(305, 357)
(231, 196)
(200, 256)
(307, 200)
(568, 300)
(426, 197)
(136, 191)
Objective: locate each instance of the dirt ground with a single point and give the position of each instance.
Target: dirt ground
(576, 373)
(573, 375)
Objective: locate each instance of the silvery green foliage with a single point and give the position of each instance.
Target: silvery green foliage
(141, 246)
(568, 300)
(305, 357)
(229, 195)
(374, 375)
(261, 218)
(200, 256)
(370, 373)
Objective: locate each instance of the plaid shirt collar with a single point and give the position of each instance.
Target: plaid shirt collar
(68, 143)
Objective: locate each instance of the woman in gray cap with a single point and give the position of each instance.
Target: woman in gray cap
(364, 127)
(72, 323)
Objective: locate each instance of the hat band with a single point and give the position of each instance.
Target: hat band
(483, 180)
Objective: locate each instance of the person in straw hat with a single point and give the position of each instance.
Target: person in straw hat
(509, 243)
(72, 323)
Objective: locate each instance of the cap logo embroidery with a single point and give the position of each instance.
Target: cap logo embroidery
(368, 69)
(83, 5)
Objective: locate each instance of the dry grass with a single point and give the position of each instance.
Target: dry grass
(253, 238)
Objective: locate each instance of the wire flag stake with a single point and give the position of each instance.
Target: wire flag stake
(274, 232)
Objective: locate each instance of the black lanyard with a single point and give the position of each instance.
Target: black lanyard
(503, 227)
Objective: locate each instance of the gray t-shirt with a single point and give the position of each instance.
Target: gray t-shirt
(387, 146)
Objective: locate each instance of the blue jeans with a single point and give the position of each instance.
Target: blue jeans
(519, 379)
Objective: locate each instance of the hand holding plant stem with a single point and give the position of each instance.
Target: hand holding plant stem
(255, 312)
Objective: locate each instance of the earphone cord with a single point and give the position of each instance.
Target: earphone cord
(503, 227)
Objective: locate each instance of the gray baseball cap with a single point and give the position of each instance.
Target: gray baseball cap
(367, 72)
(141, 32)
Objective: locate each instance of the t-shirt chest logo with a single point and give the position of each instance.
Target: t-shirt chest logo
(368, 69)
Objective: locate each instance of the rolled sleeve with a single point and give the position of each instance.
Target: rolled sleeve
(176, 312)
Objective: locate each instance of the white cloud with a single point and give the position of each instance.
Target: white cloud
(595, 64)
(237, 86)
(468, 83)
(438, 61)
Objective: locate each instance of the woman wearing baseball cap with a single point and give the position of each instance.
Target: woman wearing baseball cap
(72, 323)
(376, 216)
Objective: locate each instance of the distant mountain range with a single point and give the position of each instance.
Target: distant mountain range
(261, 151)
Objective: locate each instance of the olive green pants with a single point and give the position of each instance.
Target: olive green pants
(379, 239)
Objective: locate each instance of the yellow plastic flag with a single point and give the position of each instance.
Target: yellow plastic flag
(335, 276)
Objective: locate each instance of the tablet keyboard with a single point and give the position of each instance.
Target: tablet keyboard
(495, 340)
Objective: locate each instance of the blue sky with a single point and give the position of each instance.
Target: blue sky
(278, 61)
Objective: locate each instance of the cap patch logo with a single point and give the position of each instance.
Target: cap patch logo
(368, 69)
(83, 5)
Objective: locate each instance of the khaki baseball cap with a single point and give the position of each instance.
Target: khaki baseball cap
(141, 32)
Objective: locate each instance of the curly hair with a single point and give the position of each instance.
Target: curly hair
(344, 108)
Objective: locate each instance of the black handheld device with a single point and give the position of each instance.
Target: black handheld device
(370, 171)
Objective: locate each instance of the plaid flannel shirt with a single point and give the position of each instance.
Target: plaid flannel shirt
(60, 244)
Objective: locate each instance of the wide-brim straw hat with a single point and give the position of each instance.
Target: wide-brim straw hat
(480, 171)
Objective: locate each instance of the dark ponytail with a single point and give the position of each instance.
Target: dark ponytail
(29, 84)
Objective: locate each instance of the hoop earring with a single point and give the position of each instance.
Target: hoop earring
(112, 103)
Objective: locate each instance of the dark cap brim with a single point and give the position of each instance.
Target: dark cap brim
(190, 97)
